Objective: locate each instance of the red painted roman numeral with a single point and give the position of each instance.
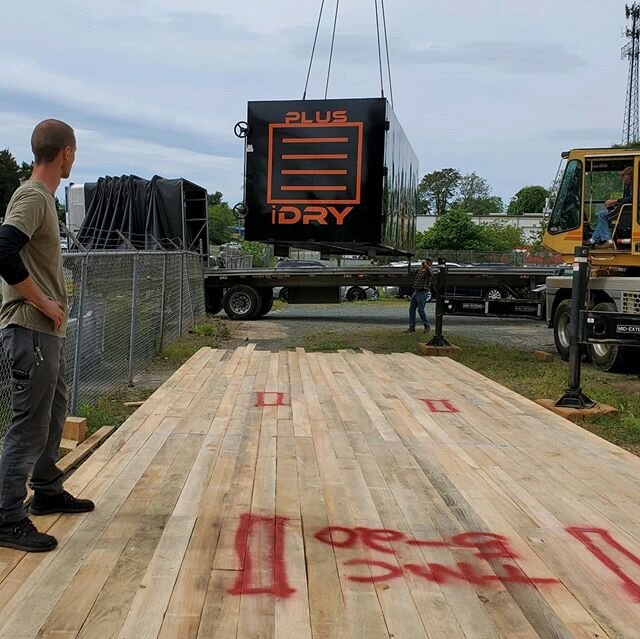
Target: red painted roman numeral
(440, 406)
(260, 547)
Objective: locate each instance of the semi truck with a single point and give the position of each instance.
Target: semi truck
(589, 178)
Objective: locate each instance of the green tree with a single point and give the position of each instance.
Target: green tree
(475, 196)
(456, 230)
(214, 198)
(9, 178)
(257, 249)
(25, 170)
(437, 189)
(221, 222)
(529, 199)
(501, 237)
(452, 231)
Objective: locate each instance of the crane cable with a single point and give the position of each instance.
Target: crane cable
(333, 39)
(375, 2)
(313, 51)
(386, 44)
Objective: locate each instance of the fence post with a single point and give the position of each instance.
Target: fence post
(78, 347)
(180, 318)
(162, 303)
(193, 313)
(134, 304)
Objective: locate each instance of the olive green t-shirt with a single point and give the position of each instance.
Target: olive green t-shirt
(32, 210)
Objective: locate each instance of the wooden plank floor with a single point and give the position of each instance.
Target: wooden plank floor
(299, 495)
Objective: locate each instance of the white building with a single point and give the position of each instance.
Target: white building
(528, 222)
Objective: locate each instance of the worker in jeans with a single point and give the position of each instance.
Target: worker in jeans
(421, 286)
(601, 237)
(33, 319)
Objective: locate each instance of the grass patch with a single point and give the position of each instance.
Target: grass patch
(516, 369)
(278, 305)
(109, 409)
(210, 333)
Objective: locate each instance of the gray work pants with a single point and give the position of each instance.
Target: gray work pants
(39, 403)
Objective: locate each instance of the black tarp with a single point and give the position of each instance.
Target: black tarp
(143, 211)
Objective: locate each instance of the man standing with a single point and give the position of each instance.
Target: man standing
(421, 286)
(32, 330)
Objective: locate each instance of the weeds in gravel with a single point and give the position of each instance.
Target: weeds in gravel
(516, 369)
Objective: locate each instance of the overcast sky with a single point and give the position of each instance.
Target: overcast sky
(499, 87)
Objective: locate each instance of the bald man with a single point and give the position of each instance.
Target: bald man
(33, 319)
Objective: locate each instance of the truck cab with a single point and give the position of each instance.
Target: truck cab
(591, 178)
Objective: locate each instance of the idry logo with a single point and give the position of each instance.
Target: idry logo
(308, 214)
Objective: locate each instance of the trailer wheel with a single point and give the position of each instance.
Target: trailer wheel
(608, 357)
(266, 297)
(213, 300)
(283, 296)
(561, 328)
(242, 302)
(356, 294)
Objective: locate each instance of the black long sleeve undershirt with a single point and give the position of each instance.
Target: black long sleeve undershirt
(12, 241)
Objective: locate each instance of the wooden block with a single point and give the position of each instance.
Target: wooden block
(82, 451)
(577, 414)
(75, 428)
(68, 444)
(133, 404)
(543, 356)
(438, 351)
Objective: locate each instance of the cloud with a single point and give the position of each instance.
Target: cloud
(538, 58)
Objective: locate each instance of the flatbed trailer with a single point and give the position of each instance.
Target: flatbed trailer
(247, 294)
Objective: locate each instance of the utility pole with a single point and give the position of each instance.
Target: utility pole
(631, 51)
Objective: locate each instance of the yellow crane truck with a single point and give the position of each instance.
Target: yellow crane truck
(589, 178)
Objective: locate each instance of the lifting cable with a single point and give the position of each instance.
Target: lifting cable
(313, 51)
(386, 44)
(375, 2)
(333, 39)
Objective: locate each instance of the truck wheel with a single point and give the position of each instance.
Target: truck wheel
(561, 326)
(495, 294)
(266, 296)
(213, 300)
(356, 294)
(283, 296)
(242, 302)
(608, 357)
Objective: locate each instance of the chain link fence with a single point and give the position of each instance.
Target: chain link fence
(123, 308)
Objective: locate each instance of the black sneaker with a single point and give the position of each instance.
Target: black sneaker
(427, 328)
(23, 535)
(61, 503)
(410, 330)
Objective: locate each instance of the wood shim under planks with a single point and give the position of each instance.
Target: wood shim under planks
(344, 495)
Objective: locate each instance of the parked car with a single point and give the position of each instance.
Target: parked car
(348, 293)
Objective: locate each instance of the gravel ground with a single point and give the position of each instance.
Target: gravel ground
(287, 327)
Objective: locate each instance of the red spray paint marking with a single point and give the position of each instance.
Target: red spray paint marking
(439, 574)
(271, 554)
(486, 545)
(440, 406)
(598, 541)
(267, 398)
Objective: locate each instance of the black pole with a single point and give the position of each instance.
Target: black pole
(574, 397)
(441, 291)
